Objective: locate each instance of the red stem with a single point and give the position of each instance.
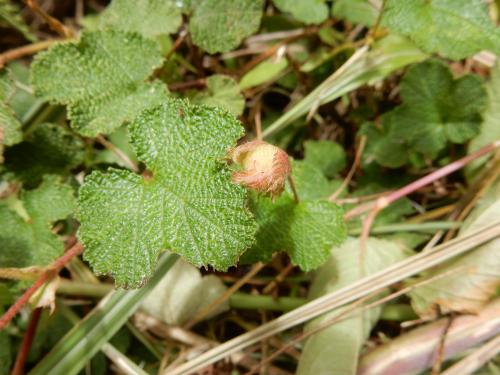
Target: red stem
(384, 201)
(24, 350)
(54, 268)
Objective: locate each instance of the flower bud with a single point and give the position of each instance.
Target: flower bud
(265, 167)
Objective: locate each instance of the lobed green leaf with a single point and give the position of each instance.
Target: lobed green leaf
(10, 126)
(222, 91)
(149, 18)
(101, 78)
(25, 232)
(307, 11)
(437, 109)
(189, 205)
(306, 231)
(49, 149)
(221, 25)
(453, 28)
(328, 156)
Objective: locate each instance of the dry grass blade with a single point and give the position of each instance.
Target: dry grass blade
(375, 282)
(476, 359)
(414, 351)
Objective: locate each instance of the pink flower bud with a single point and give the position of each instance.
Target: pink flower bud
(265, 167)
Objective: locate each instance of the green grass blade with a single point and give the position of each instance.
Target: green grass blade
(388, 55)
(85, 339)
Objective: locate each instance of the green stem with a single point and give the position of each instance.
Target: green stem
(149, 345)
(237, 300)
(256, 302)
(41, 113)
(92, 333)
(362, 68)
(398, 312)
(73, 288)
(429, 226)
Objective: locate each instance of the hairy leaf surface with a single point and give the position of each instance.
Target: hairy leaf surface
(189, 205)
(221, 25)
(310, 182)
(10, 127)
(328, 156)
(306, 231)
(436, 109)
(101, 78)
(149, 18)
(382, 145)
(25, 232)
(222, 91)
(49, 149)
(454, 28)
(357, 11)
(489, 130)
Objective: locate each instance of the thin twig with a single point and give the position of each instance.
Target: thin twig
(430, 215)
(354, 166)
(365, 233)
(54, 269)
(225, 296)
(438, 360)
(383, 202)
(29, 49)
(177, 43)
(363, 198)
(278, 279)
(28, 337)
(258, 121)
(53, 23)
(179, 86)
(119, 153)
(291, 181)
